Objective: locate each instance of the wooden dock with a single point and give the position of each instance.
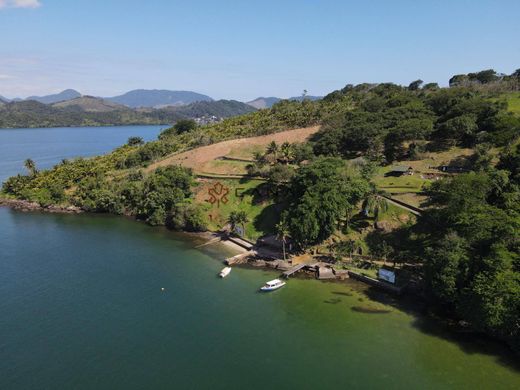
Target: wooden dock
(295, 269)
(240, 258)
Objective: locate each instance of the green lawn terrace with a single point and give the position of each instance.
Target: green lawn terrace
(240, 195)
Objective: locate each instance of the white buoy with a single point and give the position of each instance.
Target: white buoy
(162, 288)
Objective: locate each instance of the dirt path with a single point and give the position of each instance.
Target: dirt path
(196, 158)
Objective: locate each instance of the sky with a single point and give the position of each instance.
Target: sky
(231, 49)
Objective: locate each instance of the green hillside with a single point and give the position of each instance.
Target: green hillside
(90, 111)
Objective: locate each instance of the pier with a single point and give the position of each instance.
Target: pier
(240, 258)
(296, 268)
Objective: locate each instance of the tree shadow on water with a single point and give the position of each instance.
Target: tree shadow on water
(427, 322)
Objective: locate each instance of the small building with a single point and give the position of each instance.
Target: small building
(401, 170)
(453, 169)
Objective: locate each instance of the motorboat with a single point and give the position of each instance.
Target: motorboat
(225, 272)
(273, 285)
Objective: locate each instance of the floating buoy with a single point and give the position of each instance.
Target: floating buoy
(162, 288)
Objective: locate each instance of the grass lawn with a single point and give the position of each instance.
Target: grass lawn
(396, 184)
(411, 199)
(225, 167)
(414, 183)
(243, 194)
(513, 101)
(246, 152)
(395, 214)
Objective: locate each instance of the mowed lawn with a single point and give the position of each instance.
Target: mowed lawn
(240, 195)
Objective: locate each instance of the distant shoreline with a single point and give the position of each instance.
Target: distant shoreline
(83, 127)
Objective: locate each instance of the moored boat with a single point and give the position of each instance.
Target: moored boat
(225, 272)
(273, 285)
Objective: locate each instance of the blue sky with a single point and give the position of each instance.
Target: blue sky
(245, 49)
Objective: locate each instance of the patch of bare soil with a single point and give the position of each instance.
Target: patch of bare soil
(197, 158)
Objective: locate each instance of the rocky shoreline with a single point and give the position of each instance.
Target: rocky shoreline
(25, 205)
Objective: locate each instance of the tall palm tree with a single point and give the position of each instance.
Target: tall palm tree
(242, 220)
(30, 165)
(282, 232)
(238, 218)
(375, 203)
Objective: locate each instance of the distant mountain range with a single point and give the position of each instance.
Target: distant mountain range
(140, 106)
(92, 111)
(156, 98)
(268, 102)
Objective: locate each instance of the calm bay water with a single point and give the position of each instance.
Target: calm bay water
(50, 145)
(82, 306)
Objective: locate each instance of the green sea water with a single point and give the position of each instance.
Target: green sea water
(82, 306)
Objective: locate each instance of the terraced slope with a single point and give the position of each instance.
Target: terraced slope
(199, 159)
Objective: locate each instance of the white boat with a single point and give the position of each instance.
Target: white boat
(225, 272)
(273, 285)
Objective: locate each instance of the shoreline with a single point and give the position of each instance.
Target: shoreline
(83, 127)
(26, 206)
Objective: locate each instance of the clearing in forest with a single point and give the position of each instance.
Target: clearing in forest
(202, 160)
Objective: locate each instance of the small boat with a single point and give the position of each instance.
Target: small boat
(273, 285)
(225, 272)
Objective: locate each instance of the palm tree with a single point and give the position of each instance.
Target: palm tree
(272, 149)
(238, 218)
(30, 165)
(375, 203)
(259, 159)
(287, 152)
(282, 232)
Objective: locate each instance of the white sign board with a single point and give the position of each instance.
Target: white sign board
(386, 275)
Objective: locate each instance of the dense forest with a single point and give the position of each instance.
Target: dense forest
(31, 113)
(465, 245)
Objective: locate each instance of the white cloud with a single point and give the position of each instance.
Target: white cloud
(5, 76)
(20, 3)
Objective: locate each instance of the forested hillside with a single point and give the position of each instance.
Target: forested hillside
(90, 111)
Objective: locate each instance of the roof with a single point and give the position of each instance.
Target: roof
(275, 281)
(401, 168)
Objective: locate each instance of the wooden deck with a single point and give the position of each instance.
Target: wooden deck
(297, 268)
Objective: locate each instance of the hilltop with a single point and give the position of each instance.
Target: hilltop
(158, 98)
(58, 97)
(90, 104)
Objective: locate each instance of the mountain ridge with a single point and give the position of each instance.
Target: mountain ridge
(157, 98)
(66, 94)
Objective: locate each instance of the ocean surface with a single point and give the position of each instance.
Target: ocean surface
(102, 302)
(48, 146)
